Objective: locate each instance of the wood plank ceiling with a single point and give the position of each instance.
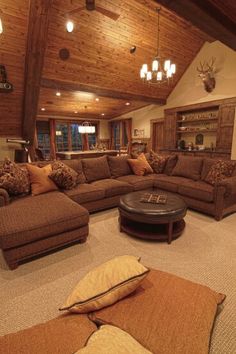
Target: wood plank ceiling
(100, 56)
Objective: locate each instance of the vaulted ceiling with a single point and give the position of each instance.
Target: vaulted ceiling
(100, 62)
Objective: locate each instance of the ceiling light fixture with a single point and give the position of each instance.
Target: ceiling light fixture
(96, 99)
(127, 103)
(58, 93)
(158, 74)
(43, 109)
(75, 112)
(102, 114)
(86, 128)
(69, 26)
(1, 25)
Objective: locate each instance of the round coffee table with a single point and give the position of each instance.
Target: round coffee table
(152, 221)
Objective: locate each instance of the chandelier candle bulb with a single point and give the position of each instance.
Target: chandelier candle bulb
(173, 68)
(145, 68)
(142, 74)
(155, 65)
(1, 26)
(159, 76)
(149, 75)
(167, 65)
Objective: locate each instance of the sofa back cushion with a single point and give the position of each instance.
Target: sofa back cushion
(189, 167)
(14, 178)
(170, 164)
(76, 164)
(156, 161)
(96, 168)
(206, 166)
(220, 170)
(119, 165)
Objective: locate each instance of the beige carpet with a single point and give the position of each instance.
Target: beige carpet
(205, 253)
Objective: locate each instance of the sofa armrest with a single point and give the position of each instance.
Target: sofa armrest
(229, 184)
(4, 197)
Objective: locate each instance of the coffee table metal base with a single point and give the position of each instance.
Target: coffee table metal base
(160, 232)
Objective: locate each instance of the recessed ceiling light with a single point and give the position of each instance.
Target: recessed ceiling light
(96, 99)
(127, 103)
(69, 26)
(103, 114)
(43, 109)
(58, 93)
(75, 112)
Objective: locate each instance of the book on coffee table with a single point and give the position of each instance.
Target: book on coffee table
(154, 198)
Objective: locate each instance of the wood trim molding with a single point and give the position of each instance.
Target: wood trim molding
(207, 17)
(36, 46)
(68, 86)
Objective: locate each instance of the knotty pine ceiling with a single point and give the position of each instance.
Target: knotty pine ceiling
(100, 57)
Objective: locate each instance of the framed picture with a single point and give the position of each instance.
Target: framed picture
(139, 133)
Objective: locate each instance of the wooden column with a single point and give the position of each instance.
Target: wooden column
(52, 138)
(36, 45)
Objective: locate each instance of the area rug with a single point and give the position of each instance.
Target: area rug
(205, 253)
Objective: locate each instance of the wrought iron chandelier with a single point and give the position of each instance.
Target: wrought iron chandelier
(159, 73)
(86, 128)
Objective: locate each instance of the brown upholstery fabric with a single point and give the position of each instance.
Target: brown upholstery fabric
(157, 161)
(170, 164)
(169, 183)
(63, 176)
(77, 166)
(96, 168)
(197, 189)
(39, 217)
(14, 178)
(106, 203)
(138, 182)
(64, 334)
(40, 182)
(119, 165)
(84, 193)
(229, 184)
(4, 197)
(166, 314)
(219, 171)
(113, 187)
(206, 166)
(189, 167)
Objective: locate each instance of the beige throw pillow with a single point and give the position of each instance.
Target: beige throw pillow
(106, 284)
(40, 182)
(112, 340)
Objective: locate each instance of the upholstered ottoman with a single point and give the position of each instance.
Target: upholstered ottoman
(33, 225)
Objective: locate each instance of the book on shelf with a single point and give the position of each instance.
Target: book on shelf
(154, 198)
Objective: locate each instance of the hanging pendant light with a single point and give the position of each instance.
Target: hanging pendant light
(86, 128)
(160, 72)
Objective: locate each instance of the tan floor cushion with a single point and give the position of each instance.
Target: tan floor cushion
(39, 217)
(169, 183)
(113, 187)
(166, 314)
(198, 190)
(84, 193)
(63, 335)
(138, 182)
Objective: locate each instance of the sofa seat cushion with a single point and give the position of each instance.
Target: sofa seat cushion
(84, 193)
(166, 314)
(198, 190)
(169, 183)
(33, 218)
(64, 334)
(138, 182)
(113, 187)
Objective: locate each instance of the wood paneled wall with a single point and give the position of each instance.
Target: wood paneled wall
(12, 55)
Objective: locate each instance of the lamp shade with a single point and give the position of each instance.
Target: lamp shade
(86, 128)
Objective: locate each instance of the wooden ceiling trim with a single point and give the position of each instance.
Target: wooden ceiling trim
(68, 86)
(36, 46)
(207, 17)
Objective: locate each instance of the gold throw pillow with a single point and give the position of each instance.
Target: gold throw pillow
(40, 182)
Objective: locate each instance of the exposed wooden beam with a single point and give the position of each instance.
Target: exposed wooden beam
(103, 92)
(206, 17)
(36, 45)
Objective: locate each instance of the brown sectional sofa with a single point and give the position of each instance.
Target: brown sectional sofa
(34, 225)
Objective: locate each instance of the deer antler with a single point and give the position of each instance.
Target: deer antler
(210, 66)
(201, 70)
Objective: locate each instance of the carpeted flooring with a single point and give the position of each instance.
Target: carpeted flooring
(205, 253)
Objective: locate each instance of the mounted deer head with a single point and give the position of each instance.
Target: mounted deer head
(206, 74)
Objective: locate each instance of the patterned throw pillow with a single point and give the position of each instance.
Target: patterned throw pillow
(13, 178)
(64, 176)
(157, 162)
(219, 171)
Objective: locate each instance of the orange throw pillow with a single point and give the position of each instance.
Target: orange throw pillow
(140, 166)
(148, 166)
(40, 182)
